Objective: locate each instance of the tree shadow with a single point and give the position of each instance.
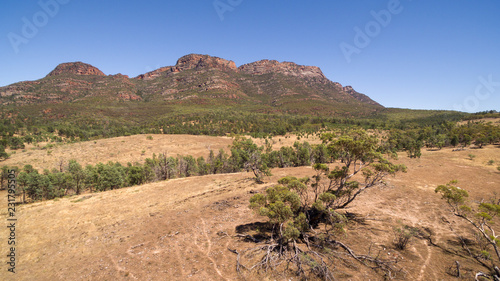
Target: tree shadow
(476, 147)
(354, 217)
(255, 232)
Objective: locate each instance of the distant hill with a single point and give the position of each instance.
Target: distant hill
(199, 80)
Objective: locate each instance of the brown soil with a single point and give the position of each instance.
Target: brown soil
(181, 229)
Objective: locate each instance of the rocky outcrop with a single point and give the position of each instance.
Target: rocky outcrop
(192, 61)
(286, 68)
(199, 62)
(120, 76)
(79, 68)
(158, 72)
(359, 96)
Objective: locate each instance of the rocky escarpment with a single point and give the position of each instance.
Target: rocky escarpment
(206, 62)
(79, 68)
(286, 68)
(192, 61)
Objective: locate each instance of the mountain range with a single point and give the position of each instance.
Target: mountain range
(265, 85)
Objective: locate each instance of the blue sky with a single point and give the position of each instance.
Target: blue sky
(419, 54)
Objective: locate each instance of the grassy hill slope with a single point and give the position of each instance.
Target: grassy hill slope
(182, 229)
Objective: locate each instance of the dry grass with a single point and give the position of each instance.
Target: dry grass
(181, 229)
(130, 149)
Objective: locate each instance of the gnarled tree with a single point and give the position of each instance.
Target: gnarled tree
(297, 207)
(481, 218)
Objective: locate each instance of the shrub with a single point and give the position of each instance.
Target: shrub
(403, 236)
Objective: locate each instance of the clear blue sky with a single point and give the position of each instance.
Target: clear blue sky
(428, 55)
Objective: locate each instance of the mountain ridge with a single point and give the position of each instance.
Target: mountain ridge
(196, 61)
(198, 79)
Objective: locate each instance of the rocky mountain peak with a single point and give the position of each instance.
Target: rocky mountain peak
(286, 68)
(78, 68)
(196, 61)
(348, 89)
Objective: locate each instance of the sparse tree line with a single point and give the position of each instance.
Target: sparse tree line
(445, 135)
(244, 155)
(23, 129)
(410, 137)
